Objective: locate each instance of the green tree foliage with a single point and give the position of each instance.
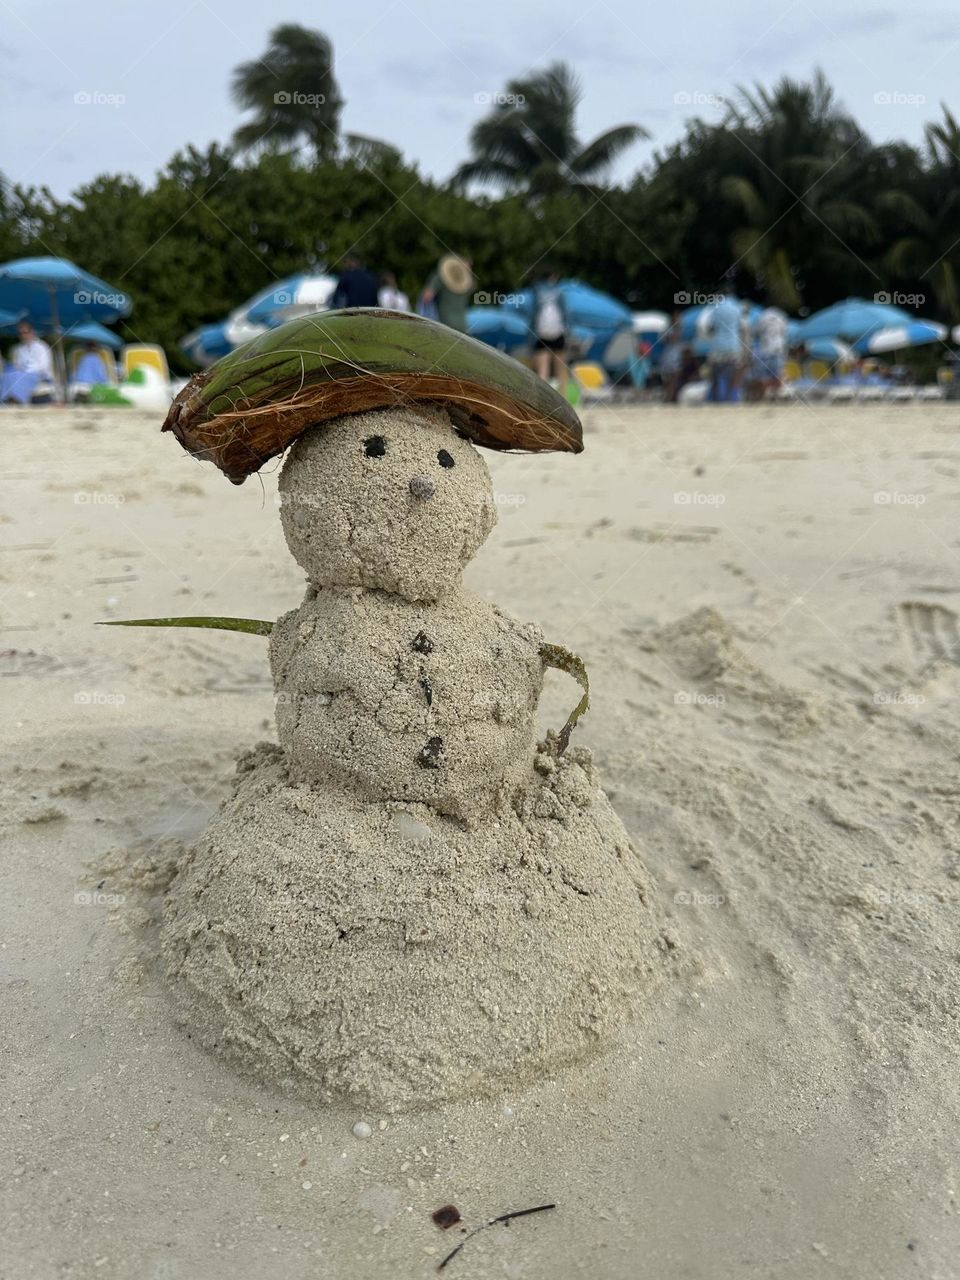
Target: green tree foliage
(926, 212)
(529, 141)
(292, 92)
(784, 199)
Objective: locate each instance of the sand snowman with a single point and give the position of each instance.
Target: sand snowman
(408, 899)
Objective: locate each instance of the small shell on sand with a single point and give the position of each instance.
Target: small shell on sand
(362, 1130)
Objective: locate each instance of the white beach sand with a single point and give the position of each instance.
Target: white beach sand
(767, 601)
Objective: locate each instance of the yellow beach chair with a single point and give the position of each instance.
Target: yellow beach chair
(593, 380)
(145, 355)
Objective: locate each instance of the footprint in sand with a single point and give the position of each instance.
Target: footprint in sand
(932, 633)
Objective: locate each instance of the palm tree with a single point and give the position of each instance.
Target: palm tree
(369, 152)
(927, 248)
(293, 93)
(795, 154)
(529, 142)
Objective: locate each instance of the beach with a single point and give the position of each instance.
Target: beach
(767, 599)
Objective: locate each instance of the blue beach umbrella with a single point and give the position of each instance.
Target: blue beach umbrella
(53, 293)
(91, 331)
(916, 333)
(288, 299)
(829, 349)
(206, 344)
(852, 320)
(499, 327)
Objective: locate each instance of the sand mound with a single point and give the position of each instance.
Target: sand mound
(379, 951)
(712, 668)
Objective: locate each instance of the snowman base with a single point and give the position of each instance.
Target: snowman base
(334, 947)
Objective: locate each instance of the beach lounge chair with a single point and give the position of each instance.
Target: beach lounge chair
(812, 388)
(872, 391)
(840, 392)
(144, 355)
(694, 392)
(105, 355)
(593, 380)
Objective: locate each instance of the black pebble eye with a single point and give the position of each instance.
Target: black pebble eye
(445, 459)
(375, 447)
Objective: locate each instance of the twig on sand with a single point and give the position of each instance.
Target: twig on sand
(503, 1217)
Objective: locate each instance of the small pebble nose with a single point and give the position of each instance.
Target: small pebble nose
(422, 487)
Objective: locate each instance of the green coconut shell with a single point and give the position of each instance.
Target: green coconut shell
(251, 405)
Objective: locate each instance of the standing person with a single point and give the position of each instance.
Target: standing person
(725, 351)
(356, 287)
(449, 290)
(671, 360)
(391, 297)
(550, 329)
(771, 349)
(31, 362)
(639, 367)
(745, 363)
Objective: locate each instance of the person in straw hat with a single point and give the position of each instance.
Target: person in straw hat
(450, 288)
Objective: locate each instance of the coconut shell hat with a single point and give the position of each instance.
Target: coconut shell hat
(254, 403)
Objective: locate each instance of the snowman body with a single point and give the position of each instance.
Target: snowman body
(391, 677)
(410, 899)
(432, 702)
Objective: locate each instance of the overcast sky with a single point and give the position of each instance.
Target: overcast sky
(411, 71)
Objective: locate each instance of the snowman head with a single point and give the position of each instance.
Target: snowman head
(393, 499)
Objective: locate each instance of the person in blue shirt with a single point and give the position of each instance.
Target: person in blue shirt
(90, 369)
(725, 350)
